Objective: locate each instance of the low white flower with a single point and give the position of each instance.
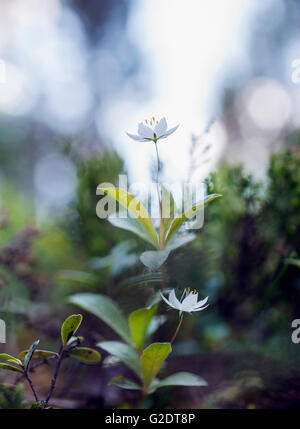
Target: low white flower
(152, 130)
(188, 303)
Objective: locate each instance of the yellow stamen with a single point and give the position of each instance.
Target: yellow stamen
(153, 118)
(146, 121)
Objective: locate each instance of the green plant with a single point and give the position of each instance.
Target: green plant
(70, 348)
(145, 362)
(139, 221)
(11, 397)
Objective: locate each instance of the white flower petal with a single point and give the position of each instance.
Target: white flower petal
(189, 301)
(137, 138)
(202, 308)
(195, 298)
(145, 131)
(201, 303)
(165, 299)
(161, 127)
(169, 132)
(174, 302)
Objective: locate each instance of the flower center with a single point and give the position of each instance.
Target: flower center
(187, 291)
(152, 122)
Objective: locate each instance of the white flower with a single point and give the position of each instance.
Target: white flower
(189, 301)
(152, 130)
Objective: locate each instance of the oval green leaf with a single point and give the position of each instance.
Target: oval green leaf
(139, 322)
(122, 382)
(153, 259)
(125, 353)
(10, 358)
(136, 209)
(86, 355)
(38, 353)
(180, 379)
(8, 367)
(104, 308)
(69, 327)
(152, 360)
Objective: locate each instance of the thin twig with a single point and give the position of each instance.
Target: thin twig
(142, 399)
(26, 375)
(45, 361)
(53, 381)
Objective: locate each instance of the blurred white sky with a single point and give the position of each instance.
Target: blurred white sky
(188, 49)
(190, 46)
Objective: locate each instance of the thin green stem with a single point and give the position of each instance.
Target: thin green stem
(161, 230)
(158, 161)
(157, 180)
(163, 277)
(177, 329)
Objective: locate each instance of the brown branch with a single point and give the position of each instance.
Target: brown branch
(26, 375)
(53, 381)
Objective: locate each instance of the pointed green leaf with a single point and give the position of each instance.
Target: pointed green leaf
(10, 358)
(179, 379)
(132, 225)
(152, 360)
(122, 382)
(37, 353)
(10, 367)
(139, 322)
(125, 353)
(179, 240)
(168, 208)
(29, 354)
(136, 209)
(153, 259)
(177, 222)
(86, 355)
(69, 327)
(104, 308)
